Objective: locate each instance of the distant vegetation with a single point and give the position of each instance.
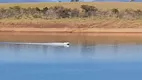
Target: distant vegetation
(58, 12)
(74, 1)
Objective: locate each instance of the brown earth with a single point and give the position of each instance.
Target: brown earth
(84, 36)
(72, 23)
(85, 33)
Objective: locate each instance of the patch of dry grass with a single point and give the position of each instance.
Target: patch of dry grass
(63, 20)
(72, 23)
(99, 5)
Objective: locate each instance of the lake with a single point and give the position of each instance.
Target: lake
(76, 62)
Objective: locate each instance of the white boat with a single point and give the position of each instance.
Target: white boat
(65, 44)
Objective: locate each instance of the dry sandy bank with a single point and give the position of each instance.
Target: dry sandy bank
(85, 36)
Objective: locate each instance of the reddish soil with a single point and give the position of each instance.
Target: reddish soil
(75, 33)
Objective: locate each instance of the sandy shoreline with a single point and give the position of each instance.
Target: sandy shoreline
(76, 36)
(83, 32)
(74, 30)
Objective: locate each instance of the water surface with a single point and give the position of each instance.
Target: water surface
(77, 62)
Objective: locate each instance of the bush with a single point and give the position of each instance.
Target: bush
(138, 12)
(75, 13)
(2, 13)
(115, 11)
(45, 9)
(61, 12)
(88, 10)
(37, 9)
(129, 14)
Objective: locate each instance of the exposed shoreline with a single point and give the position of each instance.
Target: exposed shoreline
(86, 31)
(84, 36)
(75, 30)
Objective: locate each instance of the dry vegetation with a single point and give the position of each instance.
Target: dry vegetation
(71, 23)
(78, 14)
(59, 12)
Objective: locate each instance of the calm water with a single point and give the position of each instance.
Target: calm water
(77, 62)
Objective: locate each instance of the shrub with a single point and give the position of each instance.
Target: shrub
(61, 12)
(45, 9)
(75, 13)
(37, 9)
(88, 10)
(2, 13)
(129, 14)
(50, 14)
(138, 12)
(115, 11)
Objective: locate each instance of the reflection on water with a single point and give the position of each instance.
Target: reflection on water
(77, 62)
(100, 52)
(28, 53)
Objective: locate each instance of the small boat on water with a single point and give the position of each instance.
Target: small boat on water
(65, 44)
